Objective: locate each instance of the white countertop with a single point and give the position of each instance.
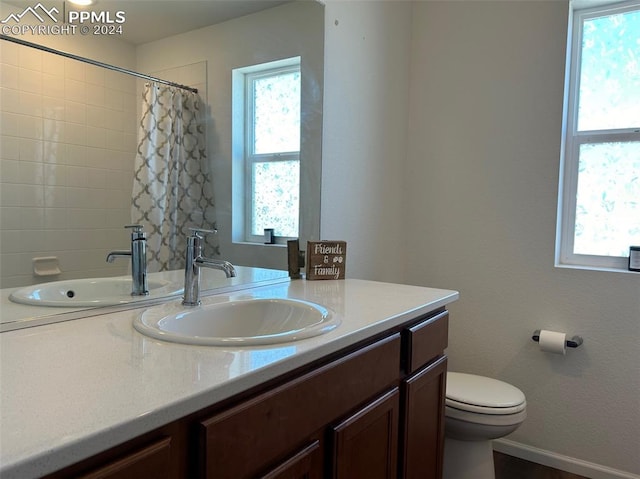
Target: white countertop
(72, 389)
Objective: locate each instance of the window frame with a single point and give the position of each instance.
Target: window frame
(249, 158)
(572, 139)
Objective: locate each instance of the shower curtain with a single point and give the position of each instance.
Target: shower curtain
(172, 186)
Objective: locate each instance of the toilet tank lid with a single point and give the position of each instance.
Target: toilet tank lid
(482, 391)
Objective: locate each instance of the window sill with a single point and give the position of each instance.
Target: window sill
(595, 268)
(250, 243)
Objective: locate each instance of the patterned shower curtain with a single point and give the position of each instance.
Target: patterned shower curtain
(172, 186)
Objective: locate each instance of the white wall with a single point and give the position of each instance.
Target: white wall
(364, 134)
(472, 207)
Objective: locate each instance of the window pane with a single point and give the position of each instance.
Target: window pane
(276, 194)
(608, 199)
(610, 73)
(277, 113)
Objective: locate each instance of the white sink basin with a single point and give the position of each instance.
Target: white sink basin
(88, 292)
(244, 322)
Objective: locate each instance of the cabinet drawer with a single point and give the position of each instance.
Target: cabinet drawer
(241, 441)
(426, 340)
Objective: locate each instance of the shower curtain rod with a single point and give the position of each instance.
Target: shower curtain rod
(95, 62)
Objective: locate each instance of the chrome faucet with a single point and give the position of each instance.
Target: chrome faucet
(138, 255)
(195, 261)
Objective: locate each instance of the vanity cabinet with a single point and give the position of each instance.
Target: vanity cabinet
(373, 410)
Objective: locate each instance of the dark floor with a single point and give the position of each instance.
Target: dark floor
(509, 467)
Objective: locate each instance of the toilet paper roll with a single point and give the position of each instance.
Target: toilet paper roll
(553, 342)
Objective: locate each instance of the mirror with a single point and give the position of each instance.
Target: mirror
(69, 135)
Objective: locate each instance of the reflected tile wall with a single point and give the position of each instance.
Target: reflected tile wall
(193, 75)
(67, 146)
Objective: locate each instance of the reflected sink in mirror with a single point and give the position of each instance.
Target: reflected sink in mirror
(244, 322)
(89, 292)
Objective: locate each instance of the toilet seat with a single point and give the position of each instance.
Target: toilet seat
(477, 411)
(481, 395)
(494, 411)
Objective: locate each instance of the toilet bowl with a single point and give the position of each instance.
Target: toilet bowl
(477, 410)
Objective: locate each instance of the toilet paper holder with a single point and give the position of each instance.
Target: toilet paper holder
(574, 342)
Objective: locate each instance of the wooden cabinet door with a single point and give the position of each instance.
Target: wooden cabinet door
(422, 441)
(306, 464)
(365, 445)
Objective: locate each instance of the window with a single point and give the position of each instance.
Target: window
(271, 150)
(599, 209)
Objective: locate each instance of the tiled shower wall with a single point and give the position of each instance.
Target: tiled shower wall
(66, 161)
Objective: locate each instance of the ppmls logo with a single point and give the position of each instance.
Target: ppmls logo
(39, 11)
(101, 22)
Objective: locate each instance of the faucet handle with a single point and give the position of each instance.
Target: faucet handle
(199, 232)
(136, 231)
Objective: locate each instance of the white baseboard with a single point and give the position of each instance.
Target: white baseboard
(558, 461)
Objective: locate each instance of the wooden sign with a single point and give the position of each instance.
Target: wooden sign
(326, 259)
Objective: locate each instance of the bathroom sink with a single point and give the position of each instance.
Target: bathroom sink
(244, 322)
(88, 292)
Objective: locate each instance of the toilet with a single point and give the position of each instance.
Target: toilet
(477, 410)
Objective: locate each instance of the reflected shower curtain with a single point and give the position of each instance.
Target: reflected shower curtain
(172, 186)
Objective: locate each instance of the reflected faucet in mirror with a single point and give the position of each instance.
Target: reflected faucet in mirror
(194, 261)
(296, 28)
(138, 255)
